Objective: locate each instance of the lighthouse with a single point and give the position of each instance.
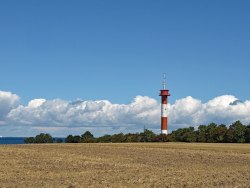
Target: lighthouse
(164, 93)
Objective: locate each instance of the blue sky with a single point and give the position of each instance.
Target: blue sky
(116, 50)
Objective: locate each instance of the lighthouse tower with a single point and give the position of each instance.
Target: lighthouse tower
(164, 101)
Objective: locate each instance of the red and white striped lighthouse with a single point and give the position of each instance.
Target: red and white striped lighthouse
(164, 101)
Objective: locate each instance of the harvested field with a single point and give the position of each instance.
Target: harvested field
(125, 165)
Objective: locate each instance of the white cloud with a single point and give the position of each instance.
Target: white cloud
(142, 110)
(36, 103)
(222, 109)
(57, 114)
(185, 111)
(8, 101)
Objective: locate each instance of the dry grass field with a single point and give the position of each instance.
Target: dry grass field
(125, 165)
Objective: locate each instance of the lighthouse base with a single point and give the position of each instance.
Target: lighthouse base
(164, 132)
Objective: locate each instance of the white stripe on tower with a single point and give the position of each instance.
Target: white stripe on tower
(164, 111)
(164, 131)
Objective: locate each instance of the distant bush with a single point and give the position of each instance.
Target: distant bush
(105, 139)
(29, 140)
(41, 138)
(72, 139)
(86, 137)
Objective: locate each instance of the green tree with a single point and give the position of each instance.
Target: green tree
(191, 135)
(43, 138)
(29, 140)
(87, 137)
(104, 139)
(160, 138)
(211, 133)
(148, 136)
(230, 135)
(236, 132)
(220, 133)
(69, 139)
(73, 139)
(240, 132)
(129, 137)
(184, 135)
(202, 133)
(247, 135)
(116, 138)
(76, 139)
(188, 135)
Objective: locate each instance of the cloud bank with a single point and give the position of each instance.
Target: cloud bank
(8, 101)
(57, 114)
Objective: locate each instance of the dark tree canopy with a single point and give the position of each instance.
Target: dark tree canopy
(87, 137)
(211, 133)
(39, 139)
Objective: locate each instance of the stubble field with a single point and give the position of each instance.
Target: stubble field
(125, 165)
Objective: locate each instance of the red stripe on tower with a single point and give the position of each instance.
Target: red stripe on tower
(164, 101)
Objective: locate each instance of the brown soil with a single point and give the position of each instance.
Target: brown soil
(125, 165)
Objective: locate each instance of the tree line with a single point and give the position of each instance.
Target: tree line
(145, 136)
(211, 133)
(42, 139)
